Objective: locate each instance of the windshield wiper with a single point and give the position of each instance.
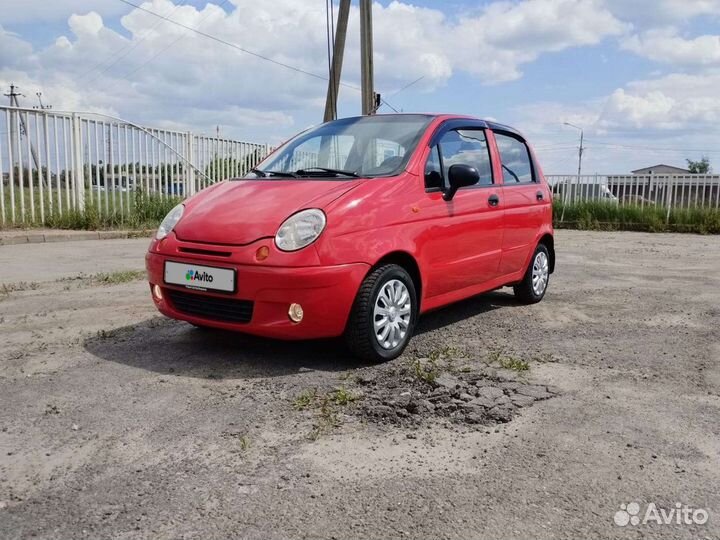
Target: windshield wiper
(263, 174)
(309, 170)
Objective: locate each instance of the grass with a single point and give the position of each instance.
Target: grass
(139, 211)
(108, 278)
(142, 211)
(514, 364)
(426, 372)
(604, 216)
(305, 399)
(327, 407)
(7, 288)
(506, 361)
(428, 367)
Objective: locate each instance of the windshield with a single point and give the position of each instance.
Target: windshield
(366, 146)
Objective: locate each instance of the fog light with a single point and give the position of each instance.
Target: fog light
(295, 312)
(157, 292)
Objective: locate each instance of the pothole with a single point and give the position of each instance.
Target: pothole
(460, 390)
(410, 395)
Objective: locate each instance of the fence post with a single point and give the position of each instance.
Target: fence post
(668, 198)
(78, 172)
(190, 177)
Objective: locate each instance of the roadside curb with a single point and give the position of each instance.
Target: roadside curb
(31, 237)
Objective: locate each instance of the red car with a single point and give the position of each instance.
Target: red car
(355, 228)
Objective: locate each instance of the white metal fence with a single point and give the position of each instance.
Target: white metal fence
(55, 162)
(667, 191)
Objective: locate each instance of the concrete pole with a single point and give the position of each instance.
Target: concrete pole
(366, 57)
(337, 61)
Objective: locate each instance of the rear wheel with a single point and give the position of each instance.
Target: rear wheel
(383, 315)
(534, 284)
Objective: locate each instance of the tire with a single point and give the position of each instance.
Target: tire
(539, 266)
(382, 288)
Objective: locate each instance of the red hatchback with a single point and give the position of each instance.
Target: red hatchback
(355, 228)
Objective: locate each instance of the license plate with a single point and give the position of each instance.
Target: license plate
(196, 276)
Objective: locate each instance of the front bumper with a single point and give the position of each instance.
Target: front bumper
(326, 293)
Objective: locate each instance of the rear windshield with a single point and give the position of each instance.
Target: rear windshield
(366, 146)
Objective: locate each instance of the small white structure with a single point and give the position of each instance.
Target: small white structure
(661, 169)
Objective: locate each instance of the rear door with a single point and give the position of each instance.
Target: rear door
(525, 197)
(464, 239)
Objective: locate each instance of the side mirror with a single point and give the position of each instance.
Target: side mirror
(460, 176)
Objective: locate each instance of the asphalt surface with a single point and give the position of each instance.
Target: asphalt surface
(118, 423)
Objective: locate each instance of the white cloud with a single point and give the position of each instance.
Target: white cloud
(676, 101)
(158, 71)
(667, 46)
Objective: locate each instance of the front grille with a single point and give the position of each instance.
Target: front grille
(212, 307)
(211, 252)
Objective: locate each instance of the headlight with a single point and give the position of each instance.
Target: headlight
(300, 230)
(170, 221)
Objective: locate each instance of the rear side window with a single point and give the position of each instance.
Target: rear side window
(465, 147)
(515, 158)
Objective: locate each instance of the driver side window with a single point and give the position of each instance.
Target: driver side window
(462, 146)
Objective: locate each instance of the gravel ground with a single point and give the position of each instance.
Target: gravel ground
(500, 420)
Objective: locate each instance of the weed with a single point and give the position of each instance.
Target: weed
(244, 443)
(514, 364)
(107, 278)
(305, 399)
(243, 440)
(506, 361)
(446, 353)
(327, 406)
(114, 278)
(7, 288)
(426, 372)
(341, 396)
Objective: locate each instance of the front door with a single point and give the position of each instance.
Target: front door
(464, 237)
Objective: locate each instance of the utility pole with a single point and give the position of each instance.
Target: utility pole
(14, 139)
(366, 57)
(13, 95)
(581, 149)
(337, 61)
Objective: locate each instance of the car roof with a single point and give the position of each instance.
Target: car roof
(495, 126)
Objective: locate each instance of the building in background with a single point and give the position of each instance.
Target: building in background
(661, 169)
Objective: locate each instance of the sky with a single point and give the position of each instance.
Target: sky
(640, 77)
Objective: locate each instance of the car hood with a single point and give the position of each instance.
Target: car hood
(239, 212)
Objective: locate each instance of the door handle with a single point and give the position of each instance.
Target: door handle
(493, 200)
(539, 195)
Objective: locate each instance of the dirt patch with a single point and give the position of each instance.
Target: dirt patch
(398, 395)
(420, 391)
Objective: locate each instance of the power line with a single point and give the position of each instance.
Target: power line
(127, 49)
(657, 148)
(161, 51)
(233, 45)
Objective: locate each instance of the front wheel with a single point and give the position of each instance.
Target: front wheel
(383, 315)
(534, 284)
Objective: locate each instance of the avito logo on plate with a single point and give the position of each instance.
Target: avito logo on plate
(194, 275)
